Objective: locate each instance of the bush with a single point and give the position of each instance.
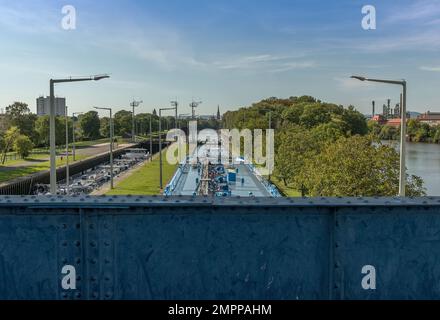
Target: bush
(23, 146)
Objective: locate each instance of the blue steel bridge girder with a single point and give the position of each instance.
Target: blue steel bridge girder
(219, 248)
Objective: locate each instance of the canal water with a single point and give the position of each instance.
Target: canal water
(423, 160)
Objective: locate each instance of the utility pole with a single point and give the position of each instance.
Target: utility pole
(67, 153)
(175, 104)
(134, 104)
(52, 115)
(111, 144)
(151, 139)
(160, 144)
(73, 134)
(193, 105)
(402, 173)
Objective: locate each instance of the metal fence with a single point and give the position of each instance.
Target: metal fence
(203, 248)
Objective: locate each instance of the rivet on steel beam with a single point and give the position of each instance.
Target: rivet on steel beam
(93, 244)
(78, 295)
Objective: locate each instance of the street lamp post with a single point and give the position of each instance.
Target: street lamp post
(52, 113)
(402, 174)
(73, 134)
(160, 143)
(67, 152)
(134, 104)
(111, 144)
(175, 104)
(270, 127)
(151, 139)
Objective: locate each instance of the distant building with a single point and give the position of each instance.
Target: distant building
(206, 117)
(43, 106)
(219, 116)
(379, 119)
(394, 122)
(431, 118)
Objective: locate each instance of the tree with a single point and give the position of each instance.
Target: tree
(374, 128)
(423, 133)
(294, 148)
(123, 123)
(18, 115)
(42, 129)
(8, 141)
(23, 146)
(389, 133)
(355, 121)
(318, 113)
(105, 127)
(90, 125)
(354, 167)
(328, 132)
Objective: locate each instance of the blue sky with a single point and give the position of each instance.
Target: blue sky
(228, 53)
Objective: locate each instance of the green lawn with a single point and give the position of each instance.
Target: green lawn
(38, 165)
(33, 157)
(82, 144)
(145, 181)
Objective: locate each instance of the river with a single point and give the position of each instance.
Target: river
(423, 160)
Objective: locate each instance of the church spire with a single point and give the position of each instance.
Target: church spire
(218, 113)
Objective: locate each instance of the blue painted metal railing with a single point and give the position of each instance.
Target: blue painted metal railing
(271, 188)
(222, 248)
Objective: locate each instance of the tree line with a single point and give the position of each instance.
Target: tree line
(417, 131)
(22, 131)
(324, 149)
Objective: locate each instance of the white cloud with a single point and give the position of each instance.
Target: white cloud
(348, 83)
(264, 62)
(417, 41)
(295, 65)
(246, 62)
(421, 10)
(30, 19)
(433, 69)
